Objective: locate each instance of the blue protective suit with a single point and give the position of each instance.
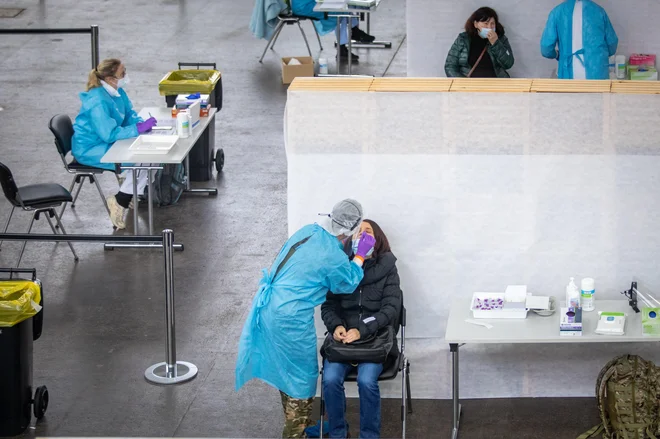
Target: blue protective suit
(103, 119)
(278, 343)
(599, 40)
(264, 17)
(306, 7)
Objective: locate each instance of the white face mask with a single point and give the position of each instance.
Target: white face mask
(110, 89)
(123, 82)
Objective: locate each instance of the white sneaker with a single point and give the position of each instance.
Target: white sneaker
(117, 212)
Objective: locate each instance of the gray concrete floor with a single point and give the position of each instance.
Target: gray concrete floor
(104, 317)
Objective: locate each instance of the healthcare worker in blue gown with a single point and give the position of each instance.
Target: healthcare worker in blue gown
(585, 38)
(278, 343)
(107, 115)
(326, 25)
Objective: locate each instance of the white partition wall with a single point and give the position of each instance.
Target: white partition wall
(479, 190)
(434, 24)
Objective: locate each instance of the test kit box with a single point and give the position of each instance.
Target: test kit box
(651, 321)
(642, 73)
(641, 59)
(305, 68)
(570, 323)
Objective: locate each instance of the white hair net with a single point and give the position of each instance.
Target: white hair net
(346, 217)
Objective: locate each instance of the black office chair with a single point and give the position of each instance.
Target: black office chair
(62, 128)
(391, 369)
(287, 17)
(35, 198)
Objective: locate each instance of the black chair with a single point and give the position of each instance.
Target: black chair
(391, 370)
(62, 128)
(289, 18)
(35, 198)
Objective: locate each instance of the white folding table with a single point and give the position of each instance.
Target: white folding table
(120, 154)
(349, 12)
(532, 330)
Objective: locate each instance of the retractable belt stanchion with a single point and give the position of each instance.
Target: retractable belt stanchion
(171, 371)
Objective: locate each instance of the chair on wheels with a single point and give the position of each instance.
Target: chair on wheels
(391, 369)
(62, 128)
(289, 18)
(36, 198)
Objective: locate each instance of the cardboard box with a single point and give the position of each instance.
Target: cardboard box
(289, 72)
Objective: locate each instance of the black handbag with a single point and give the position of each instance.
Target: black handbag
(373, 349)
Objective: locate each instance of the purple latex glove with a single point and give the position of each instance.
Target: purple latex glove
(367, 242)
(147, 125)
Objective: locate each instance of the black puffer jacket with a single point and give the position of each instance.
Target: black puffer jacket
(375, 304)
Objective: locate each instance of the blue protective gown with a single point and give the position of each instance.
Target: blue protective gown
(103, 119)
(599, 40)
(306, 7)
(278, 343)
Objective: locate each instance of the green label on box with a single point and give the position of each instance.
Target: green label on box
(651, 321)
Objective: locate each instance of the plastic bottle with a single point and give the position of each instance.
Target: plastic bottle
(572, 295)
(588, 293)
(323, 66)
(620, 67)
(182, 124)
(612, 67)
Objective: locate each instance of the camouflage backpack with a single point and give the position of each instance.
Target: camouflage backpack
(628, 392)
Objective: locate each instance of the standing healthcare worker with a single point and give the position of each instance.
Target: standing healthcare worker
(585, 37)
(106, 116)
(278, 343)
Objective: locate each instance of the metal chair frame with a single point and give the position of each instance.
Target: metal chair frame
(46, 208)
(404, 371)
(288, 18)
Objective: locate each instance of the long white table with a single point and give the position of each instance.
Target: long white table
(120, 154)
(534, 329)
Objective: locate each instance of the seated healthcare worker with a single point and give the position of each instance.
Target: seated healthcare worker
(580, 36)
(106, 116)
(375, 304)
(482, 51)
(278, 343)
(326, 25)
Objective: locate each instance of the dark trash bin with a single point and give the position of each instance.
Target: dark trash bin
(202, 156)
(21, 321)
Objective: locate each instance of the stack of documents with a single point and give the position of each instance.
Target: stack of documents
(332, 4)
(363, 4)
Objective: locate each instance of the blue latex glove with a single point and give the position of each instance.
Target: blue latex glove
(194, 96)
(367, 242)
(147, 125)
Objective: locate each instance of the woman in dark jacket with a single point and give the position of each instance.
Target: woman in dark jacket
(374, 305)
(483, 35)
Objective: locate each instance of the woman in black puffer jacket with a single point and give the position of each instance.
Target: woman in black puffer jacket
(374, 305)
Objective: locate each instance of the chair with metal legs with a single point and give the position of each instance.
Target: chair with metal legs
(391, 370)
(289, 18)
(62, 128)
(36, 198)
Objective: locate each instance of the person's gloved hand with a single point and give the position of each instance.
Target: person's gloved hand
(367, 242)
(147, 125)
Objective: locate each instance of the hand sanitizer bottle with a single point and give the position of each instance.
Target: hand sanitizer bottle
(572, 295)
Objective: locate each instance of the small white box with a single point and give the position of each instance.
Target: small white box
(153, 144)
(509, 309)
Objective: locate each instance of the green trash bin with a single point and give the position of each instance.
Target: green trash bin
(187, 81)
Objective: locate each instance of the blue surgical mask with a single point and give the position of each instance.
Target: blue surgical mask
(356, 242)
(483, 32)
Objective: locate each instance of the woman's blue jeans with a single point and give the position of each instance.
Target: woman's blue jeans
(334, 375)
